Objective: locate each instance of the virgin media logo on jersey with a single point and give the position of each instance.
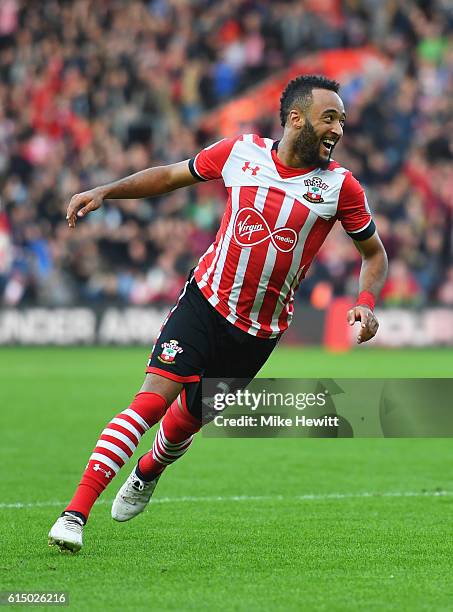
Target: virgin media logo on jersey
(251, 228)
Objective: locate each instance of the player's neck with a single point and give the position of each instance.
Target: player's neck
(288, 157)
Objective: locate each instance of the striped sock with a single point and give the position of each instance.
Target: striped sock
(115, 447)
(162, 454)
(172, 440)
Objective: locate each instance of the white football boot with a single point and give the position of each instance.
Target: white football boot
(66, 533)
(133, 497)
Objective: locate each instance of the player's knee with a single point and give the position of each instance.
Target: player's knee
(186, 421)
(166, 388)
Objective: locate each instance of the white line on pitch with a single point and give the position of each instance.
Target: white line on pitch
(259, 498)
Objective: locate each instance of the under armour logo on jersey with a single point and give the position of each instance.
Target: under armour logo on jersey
(246, 167)
(97, 468)
(251, 228)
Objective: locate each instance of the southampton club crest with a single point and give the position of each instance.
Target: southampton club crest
(169, 351)
(315, 187)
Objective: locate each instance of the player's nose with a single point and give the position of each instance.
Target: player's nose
(337, 129)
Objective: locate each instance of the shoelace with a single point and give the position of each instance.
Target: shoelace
(73, 523)
(138, 485)
(135, 488)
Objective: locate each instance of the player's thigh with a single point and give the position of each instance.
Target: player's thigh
(237, 359)
(243, 355)
(185, 343)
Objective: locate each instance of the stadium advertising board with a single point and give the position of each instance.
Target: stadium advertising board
(126, 326)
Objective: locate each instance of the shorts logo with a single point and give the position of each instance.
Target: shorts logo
(169, 352)
(315, 188)
(251, 228)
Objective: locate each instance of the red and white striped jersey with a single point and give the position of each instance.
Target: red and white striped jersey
(275, 221)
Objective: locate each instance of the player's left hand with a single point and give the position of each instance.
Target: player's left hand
(368, 322)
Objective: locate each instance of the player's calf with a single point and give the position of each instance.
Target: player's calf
(172, 441)
(114, 448)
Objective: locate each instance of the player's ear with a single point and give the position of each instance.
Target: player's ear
(296, 118)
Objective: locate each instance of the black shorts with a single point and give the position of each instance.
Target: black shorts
(195, 341)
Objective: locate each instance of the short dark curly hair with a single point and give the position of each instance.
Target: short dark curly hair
(299, 91)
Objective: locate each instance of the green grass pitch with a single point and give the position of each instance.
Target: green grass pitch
(237, 524)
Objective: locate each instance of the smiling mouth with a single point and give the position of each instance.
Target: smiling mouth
(328, 144)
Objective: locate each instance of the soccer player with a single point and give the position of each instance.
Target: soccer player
(283, 199)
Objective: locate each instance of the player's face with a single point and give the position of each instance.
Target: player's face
(322, 129)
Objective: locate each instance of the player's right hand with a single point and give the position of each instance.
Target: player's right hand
(83, 203)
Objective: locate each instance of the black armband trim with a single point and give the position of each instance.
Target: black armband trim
(193, 170)
(364, 233)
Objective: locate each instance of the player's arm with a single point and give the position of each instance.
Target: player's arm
(355, 216)
(144, 184)
(205, 166)
(372, 277)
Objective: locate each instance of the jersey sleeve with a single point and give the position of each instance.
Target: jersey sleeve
(353, 210)
(208, 163)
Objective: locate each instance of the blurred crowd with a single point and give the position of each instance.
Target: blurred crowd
(92, 90)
